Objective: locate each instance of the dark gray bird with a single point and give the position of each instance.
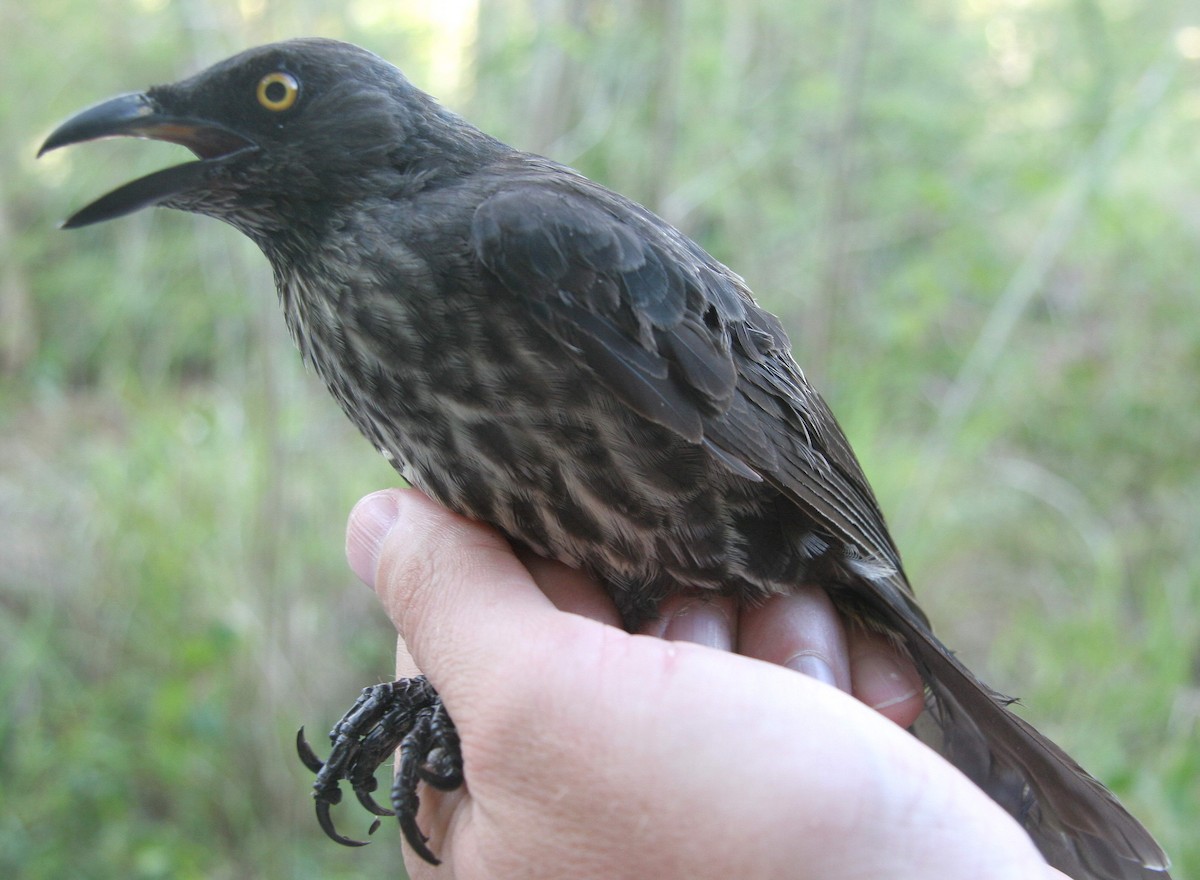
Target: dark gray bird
(540, 353)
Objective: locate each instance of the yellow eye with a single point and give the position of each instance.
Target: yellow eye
(278, 91)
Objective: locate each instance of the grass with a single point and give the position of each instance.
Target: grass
(175, 605)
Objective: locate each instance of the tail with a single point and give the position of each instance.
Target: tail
(1078, 824)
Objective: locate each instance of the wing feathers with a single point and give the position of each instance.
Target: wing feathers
(677, 338)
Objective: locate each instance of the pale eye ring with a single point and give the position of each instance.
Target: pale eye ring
(278, 91)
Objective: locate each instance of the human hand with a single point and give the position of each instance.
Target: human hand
(590, 752)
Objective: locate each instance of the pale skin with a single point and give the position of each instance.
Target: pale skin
(697, 754)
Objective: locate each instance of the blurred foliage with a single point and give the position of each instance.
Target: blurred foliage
(980, 219)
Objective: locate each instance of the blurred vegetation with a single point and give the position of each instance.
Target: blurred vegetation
(980, 219)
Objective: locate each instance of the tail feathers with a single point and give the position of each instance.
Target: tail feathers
(1078, 824)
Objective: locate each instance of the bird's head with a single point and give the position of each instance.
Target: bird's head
(283, 133)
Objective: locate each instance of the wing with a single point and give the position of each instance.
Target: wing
(677, 337)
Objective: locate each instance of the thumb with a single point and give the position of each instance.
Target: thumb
(452, 587)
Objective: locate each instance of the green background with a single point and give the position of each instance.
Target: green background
(979, 219)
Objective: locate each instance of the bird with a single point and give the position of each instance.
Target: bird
(537, 352)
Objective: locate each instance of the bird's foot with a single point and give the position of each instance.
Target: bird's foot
(407, 715)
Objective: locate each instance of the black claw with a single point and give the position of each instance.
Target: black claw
(326, 823)
(407, 715)
(364, 798)
(307, 756)
(416, 839)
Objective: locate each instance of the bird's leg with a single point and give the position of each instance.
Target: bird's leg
(407, 715)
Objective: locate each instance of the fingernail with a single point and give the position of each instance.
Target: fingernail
(881, 682)
(370, 521)
(813, 666)
(701, 623)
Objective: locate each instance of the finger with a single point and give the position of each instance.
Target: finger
(883, 677)
(801, 630)
(439, 810)
(703, 620)
(570, 589)
(452, 587)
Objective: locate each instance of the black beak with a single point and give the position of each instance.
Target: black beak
(139, 115)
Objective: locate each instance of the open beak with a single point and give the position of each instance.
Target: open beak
(139, 115)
